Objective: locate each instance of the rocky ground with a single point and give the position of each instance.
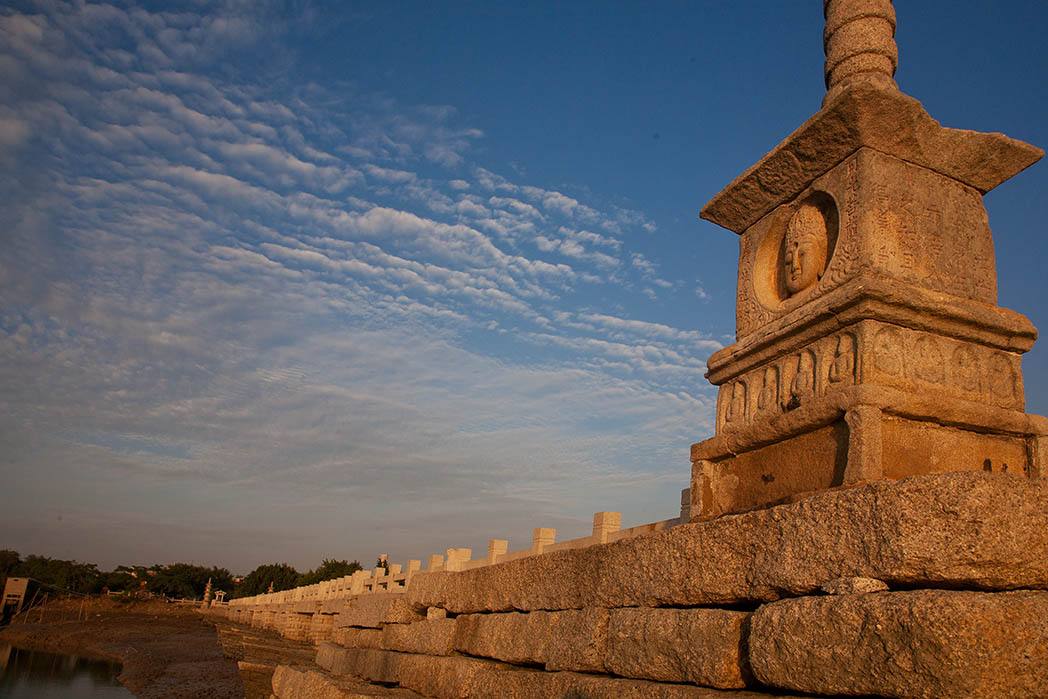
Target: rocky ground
(165, 650)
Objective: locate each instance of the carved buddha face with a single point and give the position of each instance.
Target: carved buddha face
(804, 257)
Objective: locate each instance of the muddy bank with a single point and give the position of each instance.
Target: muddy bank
(164, 650)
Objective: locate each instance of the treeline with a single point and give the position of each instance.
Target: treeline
(174, 580)
(275, 577)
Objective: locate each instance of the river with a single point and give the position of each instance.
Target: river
(29, 674)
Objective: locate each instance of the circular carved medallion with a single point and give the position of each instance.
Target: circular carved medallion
(796, 251)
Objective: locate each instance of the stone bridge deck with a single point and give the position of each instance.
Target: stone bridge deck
(933, 586)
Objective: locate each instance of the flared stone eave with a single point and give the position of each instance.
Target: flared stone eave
(865, 116)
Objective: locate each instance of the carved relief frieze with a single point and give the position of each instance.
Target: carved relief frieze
(928, 363)
(737, 410)
(768, 402)
(887, 352)
(842, 369)
(1002, 379)
(916, 360)
(789, 382)
(910, 360)
(802, 387)
(846, 254)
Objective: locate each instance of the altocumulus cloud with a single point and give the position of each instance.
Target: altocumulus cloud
(245, 321)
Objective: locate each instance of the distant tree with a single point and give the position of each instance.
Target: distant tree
(329, 570)
(117, 581)
(187, 581)
(54, 572)
(123, 579)
(280, 575)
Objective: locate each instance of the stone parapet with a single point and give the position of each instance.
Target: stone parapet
(975, 530)
(331, 596)
(841, 593)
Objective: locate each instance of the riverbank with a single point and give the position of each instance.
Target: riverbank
(165, 650)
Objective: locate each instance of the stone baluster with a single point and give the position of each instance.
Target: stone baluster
(496, 549)
(456, 557)
(541, 537)
(604, 524)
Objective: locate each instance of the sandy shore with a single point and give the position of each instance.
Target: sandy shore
(164, 650)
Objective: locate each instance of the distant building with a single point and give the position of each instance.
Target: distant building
(15, 591)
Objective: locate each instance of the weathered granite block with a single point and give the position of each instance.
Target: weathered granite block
(373, 610)
(500, 683)
(700, 646)
(568, 640)
(456, 676)
(433, 676)
(428, 637)
(976, 530)
(350, 637)
(291, 683)
(925, 643)
(320, 628)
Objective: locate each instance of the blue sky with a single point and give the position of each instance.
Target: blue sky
(283, 281)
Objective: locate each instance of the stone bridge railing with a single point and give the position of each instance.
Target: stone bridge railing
(606, 529)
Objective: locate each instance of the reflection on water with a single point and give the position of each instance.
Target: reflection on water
(33, 674)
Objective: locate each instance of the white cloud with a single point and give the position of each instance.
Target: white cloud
(225, 297)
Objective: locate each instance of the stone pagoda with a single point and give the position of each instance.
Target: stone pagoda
(869, 341)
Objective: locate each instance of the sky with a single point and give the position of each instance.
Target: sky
(284, 281)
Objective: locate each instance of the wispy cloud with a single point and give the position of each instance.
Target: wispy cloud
(227, 301)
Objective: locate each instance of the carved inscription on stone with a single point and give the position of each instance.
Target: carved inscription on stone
(882, 215)
(928, 229)
(749, 312)
(846, 252)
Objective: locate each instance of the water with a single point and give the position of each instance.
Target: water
(30, 674)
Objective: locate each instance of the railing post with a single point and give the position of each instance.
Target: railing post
(456, 557)
(496, 549)
(357, 582)
(541, 537)
(605, 523)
